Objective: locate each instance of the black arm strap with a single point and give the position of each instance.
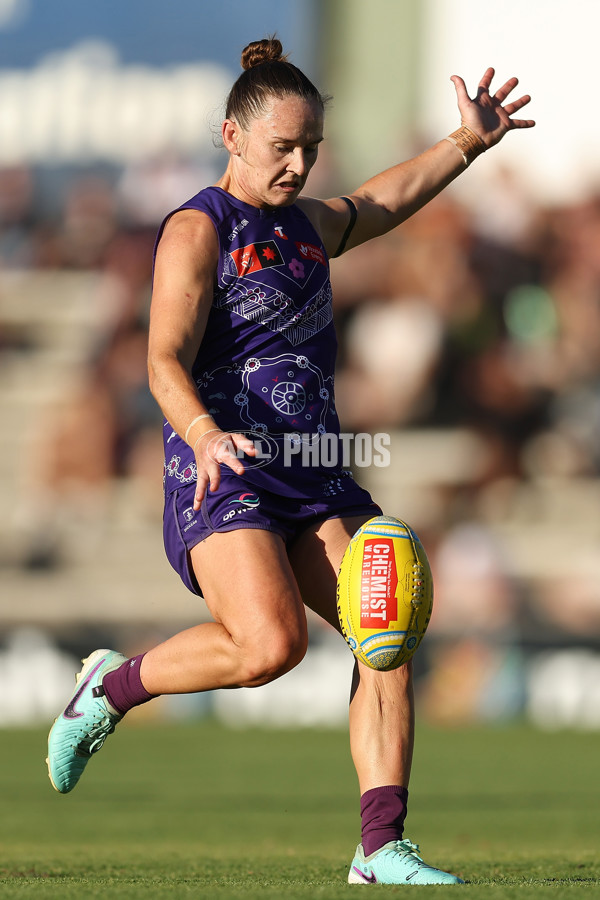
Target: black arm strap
(349, 227)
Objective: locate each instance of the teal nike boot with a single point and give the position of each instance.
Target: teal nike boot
(397, 862)
(84, 725)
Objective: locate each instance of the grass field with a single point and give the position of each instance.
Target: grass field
(196, 810)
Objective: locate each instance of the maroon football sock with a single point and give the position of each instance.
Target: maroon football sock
(123, 687)
(382, 811)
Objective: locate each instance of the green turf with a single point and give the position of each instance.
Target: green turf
(199, 811)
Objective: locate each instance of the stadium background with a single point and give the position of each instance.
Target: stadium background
(471, 335)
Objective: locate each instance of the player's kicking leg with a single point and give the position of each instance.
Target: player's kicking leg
(235, 650)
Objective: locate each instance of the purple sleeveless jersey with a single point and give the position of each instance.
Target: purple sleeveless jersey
(265, 366)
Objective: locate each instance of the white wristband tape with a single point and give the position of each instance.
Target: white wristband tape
(193, 422)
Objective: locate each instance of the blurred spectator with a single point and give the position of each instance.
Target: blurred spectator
(150, 189)
(17, 217)
(475, 668)
(89, 223)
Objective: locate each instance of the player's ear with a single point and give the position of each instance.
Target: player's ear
(232, 136)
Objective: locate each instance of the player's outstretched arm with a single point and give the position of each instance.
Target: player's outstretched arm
(392, 196)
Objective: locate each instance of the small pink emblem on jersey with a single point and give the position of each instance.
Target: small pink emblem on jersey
(297, 268)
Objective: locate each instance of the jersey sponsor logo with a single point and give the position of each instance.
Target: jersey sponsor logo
(378, 585)
(310, 251)
(280, 232)
(237, 229)
(254, 257)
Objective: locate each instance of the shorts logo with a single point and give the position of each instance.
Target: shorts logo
(188, 514)
(242, 504)
(246, 500)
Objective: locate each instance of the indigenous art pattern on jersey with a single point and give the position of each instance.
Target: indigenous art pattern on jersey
(266, 362)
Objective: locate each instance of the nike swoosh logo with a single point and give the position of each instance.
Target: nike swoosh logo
(71, 711)
(370, 879)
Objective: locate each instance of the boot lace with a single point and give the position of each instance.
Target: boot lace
(93, 740)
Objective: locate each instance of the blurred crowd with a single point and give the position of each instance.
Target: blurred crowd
(483, 317)
(487, 318)
(105, 426)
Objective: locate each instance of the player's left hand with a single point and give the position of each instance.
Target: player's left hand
(487, 114)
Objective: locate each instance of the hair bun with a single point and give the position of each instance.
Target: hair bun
(258, 52)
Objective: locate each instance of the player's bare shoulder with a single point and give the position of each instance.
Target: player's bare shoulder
(189, 234)
(190, 226)
(330, 219)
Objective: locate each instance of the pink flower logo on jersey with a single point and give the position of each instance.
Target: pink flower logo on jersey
(297, 268)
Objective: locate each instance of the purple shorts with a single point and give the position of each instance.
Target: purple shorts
(239, 504)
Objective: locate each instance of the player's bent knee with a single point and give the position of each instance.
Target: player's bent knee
(279, 656)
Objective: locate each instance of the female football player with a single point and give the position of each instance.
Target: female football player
(241, 359)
